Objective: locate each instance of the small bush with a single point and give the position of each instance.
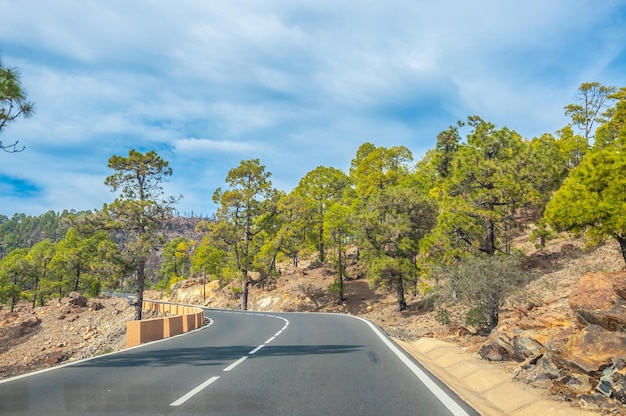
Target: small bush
(236, 291)
(428, 302)
(476, 316)
(334, 287)
(442, 316)
(484, 283)
(95, 288)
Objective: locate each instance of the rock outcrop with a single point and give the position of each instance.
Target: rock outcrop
(598, 299)
(579, 356)
(77, 300)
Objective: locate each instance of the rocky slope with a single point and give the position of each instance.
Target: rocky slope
(66, 330)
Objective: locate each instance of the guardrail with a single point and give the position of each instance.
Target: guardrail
(179, 319)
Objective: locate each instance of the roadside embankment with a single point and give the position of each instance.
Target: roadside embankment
(487, 388)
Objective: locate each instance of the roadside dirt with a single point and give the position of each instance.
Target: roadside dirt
(32, 339)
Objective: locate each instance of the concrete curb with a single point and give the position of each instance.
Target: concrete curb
(487, 388)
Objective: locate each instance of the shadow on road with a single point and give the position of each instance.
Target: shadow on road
(208, 356)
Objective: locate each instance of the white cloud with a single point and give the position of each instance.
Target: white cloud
(300, 84)
(202, 147)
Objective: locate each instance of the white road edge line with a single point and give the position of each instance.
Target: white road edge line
(236, 363)
(443, 397)
(194, 392)
(269, 340)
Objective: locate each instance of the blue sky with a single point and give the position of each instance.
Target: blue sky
(297, 84)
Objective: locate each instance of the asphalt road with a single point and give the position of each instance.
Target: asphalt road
(244, 364)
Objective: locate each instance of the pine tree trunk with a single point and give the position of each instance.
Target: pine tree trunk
(493, 319)
(400, 293)
(243, 298)
(490, 238)
(140, 287)
(76, 279)
(622, 246)
(35, 289)
(322, 256)
(340, 300)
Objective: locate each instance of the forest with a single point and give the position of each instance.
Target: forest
(442, 226)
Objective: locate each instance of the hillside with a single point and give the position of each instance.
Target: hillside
(66, 330)
(537, 325)
(574, 346)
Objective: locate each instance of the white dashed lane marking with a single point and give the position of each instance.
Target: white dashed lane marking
(193, 392)
(236, 363)
(202, 386)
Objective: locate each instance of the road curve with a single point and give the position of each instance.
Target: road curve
(244, 363)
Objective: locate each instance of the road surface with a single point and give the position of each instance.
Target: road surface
(244, 363)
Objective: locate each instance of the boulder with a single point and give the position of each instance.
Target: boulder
(590, 350)
(55, 358)
(613, 382)
(576, 383)
(547, 368)
(95, 306)
(493, 352)
(618, 386)
(613, 319)
(525, 347)
(505, 341)
(515, 345)
(593, 291)
(77, 300)
(598, 299)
